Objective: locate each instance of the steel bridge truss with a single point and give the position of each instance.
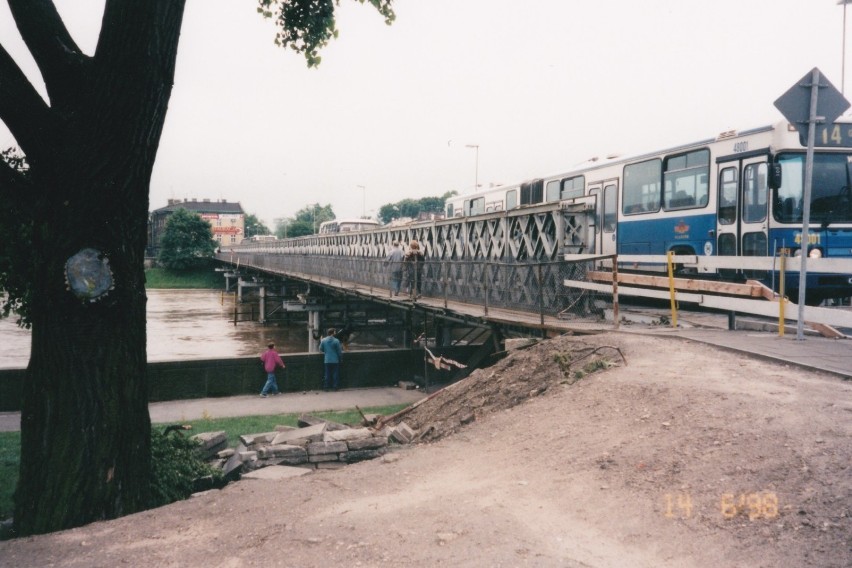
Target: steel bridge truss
(536, 233)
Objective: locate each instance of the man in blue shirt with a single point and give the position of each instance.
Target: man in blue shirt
(330, 346)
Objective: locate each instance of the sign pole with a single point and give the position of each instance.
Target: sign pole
(806, 206)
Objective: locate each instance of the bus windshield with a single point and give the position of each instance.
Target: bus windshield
(831, 190)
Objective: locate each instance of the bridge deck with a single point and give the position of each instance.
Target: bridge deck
(463, 310)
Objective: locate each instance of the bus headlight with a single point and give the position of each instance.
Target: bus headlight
(812, 253)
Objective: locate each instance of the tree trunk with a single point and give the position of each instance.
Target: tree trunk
(85, 428)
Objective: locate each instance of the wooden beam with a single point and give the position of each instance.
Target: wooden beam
(751, 290)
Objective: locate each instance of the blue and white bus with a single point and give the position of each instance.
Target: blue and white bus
(738, 194)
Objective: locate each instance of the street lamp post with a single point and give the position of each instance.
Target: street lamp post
(843, 54)
(476, 174)
(364, 202)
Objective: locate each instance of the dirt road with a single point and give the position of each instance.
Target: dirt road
(685, 456)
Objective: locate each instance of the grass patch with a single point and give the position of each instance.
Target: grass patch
(10, 442)
(235, 427)
(200, 278)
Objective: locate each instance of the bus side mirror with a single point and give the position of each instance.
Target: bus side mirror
(774, 176)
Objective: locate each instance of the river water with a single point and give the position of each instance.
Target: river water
(182, 324)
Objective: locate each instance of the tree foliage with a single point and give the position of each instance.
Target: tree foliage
(16, 232)
(187, 241)
(255, 226)
(413, 207)
(306, 221)
(306, 26)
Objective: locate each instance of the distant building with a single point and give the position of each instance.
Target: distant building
(227, 220)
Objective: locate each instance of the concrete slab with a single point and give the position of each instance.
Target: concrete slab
(275, 472)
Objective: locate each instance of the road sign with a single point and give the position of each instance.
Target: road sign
(809, 104)
(795, 104)
(833, 135)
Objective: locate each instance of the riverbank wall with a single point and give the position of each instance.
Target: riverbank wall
(203, 378)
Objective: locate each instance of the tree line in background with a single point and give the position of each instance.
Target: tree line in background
(188, 241)
(307, 220)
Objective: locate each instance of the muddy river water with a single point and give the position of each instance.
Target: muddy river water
(182, 324)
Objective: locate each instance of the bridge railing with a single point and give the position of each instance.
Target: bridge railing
(533, 287)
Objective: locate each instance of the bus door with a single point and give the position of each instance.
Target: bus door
(606, 215)
(742, 222)
(609, 217)
(595, 192)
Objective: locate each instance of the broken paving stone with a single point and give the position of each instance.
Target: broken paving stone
(323, 448)
(309, 420)
(301, 436)
(402, 433)
(211, 443)
(282, 451)
(263, 438)
(372, 443)
(346, 435)
(318, 458)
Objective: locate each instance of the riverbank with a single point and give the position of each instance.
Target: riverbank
(195, 278)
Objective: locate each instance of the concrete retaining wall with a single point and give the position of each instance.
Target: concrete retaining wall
(178, 380)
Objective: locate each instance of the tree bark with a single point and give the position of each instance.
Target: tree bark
(85, 428)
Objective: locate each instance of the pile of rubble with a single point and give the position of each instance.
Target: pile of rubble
(314, 444)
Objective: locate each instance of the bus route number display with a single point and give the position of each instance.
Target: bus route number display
(832, 135)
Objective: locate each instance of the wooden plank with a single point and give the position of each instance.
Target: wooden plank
(832, 265)
(828, 316)
(753, 290)
(766, 292)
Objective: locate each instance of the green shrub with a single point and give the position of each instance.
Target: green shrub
(176, 468)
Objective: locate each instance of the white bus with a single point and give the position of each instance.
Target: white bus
(347, 226)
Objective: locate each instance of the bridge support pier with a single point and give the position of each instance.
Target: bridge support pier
(261, 317)
(313, 326)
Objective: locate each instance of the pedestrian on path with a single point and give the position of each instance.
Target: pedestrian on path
(394, 262)
(332, 350)
(271, 361)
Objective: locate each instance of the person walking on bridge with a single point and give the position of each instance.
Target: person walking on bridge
(413, 260)
(332, 350)
(271, 361)
(394, 262)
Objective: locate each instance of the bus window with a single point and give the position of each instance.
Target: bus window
(511, 199)
(728, 198)
(642, 187)
(754, 193)
(477, 206)
(552, 191)
(573, 187)
(685, 180)
(610, 209)
(537, 191)
(526, 194)
(449, 212)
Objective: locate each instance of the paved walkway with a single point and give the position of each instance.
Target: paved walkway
(178, 411)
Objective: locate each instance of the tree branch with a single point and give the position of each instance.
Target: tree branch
(49, 42)
(23, 110)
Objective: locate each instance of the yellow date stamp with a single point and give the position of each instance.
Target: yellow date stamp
(753, 505)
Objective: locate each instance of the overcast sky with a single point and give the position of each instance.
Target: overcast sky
(539, 86)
